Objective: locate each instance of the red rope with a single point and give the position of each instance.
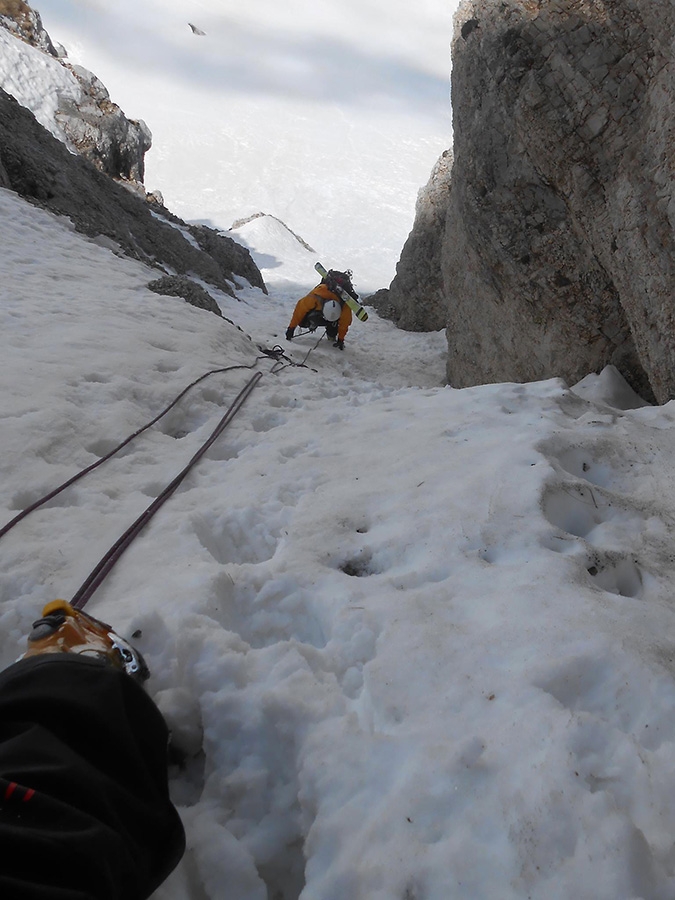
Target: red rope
(108, 561)
(62, 487)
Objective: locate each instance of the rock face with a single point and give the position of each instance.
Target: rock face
(415, 299)
(559, 245)
(39, 167)
(17, 16)
(544, 264)
(190, 291)
(89, 122)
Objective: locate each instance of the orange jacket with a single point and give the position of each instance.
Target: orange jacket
(314, 300)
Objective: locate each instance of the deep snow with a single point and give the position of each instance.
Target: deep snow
(414, 641)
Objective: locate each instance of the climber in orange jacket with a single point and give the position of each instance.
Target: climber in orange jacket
(322, 308)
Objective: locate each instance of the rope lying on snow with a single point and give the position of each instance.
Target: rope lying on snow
(86, 590)
(276, 353)
(301, 334)
(100, 571)
(99, 462)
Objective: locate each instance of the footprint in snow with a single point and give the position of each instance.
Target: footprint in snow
(583, 508)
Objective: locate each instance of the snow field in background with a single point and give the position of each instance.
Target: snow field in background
(329, 116)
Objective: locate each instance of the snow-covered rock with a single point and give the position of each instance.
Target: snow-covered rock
(39, 167)
(18, 17)
(277, 250)
(69, 101)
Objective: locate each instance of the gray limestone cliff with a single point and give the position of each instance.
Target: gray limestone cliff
(558, 246)
(549, 112)
(98, 129)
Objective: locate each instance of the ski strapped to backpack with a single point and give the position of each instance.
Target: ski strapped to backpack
(332, 280)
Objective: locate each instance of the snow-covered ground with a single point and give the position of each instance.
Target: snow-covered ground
(415, 642)
(329, 115)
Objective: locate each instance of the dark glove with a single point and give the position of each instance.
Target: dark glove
(289, 334)
(339, 344)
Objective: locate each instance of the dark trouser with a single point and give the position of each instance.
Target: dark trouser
(314, 320)
(85, 812)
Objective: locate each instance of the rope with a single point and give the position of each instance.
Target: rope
(312, 348)
(101, 570)
(279, 354)
(87, 589)
(99, 462)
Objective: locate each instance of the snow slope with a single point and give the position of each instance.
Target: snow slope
(329, 115)
(414, 641)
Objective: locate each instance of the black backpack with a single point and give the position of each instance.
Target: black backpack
(343, 280)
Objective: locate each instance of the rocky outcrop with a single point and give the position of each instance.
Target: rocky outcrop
(231, 257)
(17, 16)
(40, 168)
(86, 119)
(99, 130)
(415, 300)
(190, 291)
(559, 245)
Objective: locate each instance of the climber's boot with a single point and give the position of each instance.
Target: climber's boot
(64, 629)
